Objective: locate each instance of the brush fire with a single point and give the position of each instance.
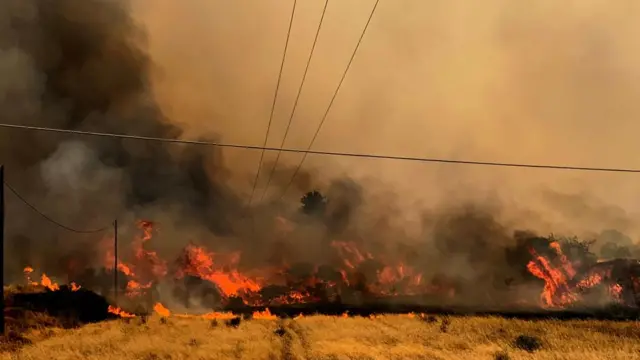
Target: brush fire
(201, 278)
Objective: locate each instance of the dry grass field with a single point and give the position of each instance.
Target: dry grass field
(324, 337)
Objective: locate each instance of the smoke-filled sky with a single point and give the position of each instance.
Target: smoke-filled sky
(531, 82)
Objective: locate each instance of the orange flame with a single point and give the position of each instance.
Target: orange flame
(46, 282)
(265, 315)
(555, 292)
(616, 291)
(200, 263)
(117, 311)
(161, 310)
(27, 274)
(218, 315)
(558, 291)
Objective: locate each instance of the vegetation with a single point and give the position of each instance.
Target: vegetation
(324, 337)
(313, 203)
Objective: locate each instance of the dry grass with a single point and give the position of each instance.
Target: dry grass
(323, 337)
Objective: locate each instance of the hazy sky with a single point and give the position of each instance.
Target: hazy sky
(498, 80)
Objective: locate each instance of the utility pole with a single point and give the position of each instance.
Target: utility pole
(2, 328)
(115, 261)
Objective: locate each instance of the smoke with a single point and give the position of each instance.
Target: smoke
(83, 65)
(450, 80)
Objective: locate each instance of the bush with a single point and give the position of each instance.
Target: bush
(527, 343)
(444, 325)
(235, 322)
(501, 355)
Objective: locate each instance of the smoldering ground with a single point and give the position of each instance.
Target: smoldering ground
(202, 70)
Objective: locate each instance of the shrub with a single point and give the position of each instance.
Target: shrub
(527, 343)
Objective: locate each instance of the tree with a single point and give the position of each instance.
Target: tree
(313, 203)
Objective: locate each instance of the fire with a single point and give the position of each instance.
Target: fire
(616, 291)
(266, 315)
(351, 255)
(46, 282)
(117, 311)
(590, 281)
(158, 267)
(200, 263)
(27, 274)
(146, 266)
(556, 291)
(218, 315)
(161, 310)
(219, 278)
(562, 287)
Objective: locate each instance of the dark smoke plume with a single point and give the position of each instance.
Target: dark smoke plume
(77, 64)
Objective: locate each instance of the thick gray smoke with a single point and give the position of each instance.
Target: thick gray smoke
(83, 64)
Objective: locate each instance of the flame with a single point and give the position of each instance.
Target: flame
(555, 292)
(266, 315)
(117, 311)
(27, 274)
(616, 291)
(46, 282)
(161, 310)
(200, 263)
(561, 288)
(590, 281)
(354, 269)
(218, 315)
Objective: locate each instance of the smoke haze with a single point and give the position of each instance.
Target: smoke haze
(511, 82)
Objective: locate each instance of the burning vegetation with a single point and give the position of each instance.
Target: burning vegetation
(63, 72)
(565, 272)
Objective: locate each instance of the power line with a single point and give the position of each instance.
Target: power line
(50, 219)
(333, 98)
(275, 98)
(324, 153)
(295, 104)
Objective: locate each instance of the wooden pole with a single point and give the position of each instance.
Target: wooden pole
(2, 328)
(115, 261)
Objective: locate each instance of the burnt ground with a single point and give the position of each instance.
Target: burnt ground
(69, 307)
(73, 308)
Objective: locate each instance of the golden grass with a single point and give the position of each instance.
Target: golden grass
(324, 337)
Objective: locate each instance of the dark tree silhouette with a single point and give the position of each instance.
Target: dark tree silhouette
(313, 203)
